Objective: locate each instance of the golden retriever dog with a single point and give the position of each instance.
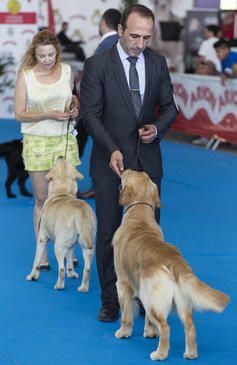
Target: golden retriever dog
(154, 271)
(66, 221)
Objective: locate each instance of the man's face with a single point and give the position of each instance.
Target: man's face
(135, 38)
(208, 34)
(222, 53)
(65, 27)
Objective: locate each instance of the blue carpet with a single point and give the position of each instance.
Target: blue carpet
(39, 325)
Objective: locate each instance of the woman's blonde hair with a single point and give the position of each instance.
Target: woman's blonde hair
(42, 38)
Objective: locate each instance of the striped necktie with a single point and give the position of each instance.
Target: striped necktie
(134, 85)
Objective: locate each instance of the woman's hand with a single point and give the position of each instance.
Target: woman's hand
(74, 107)
(74, 112)
(60, 116)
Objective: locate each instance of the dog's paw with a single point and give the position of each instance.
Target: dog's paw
(190, 355)
(72, 274)
(32, 276)
(84, 288)
(150, 333)
(158, 355)
(123, 333)
(59, 285)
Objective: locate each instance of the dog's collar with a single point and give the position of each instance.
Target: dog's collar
(137, 203)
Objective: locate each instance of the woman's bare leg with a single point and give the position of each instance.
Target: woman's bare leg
(40, 190)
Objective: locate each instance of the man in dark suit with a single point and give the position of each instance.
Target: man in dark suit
(126, 131)
(108, 29)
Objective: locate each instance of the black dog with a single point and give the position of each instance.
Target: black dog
(12, 153)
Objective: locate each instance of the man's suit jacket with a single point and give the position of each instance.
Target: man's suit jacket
(107, 43)
(108, 115)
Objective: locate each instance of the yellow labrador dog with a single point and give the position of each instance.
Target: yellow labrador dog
(154, 271)
(65, 220)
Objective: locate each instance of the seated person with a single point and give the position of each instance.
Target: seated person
(228, 59)
(70, 46)
(206, 51)
(206, 68)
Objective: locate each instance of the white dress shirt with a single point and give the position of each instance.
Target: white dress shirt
(106, 35)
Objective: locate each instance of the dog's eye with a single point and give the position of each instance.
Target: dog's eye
(120, 188)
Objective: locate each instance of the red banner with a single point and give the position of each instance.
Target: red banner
(206, 107)
(20, 18)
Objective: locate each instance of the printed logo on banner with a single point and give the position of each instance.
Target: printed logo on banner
(13, 6)
(18, 23)
(206, 107)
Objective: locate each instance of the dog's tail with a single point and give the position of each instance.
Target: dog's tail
(7, 147)
(201, 295)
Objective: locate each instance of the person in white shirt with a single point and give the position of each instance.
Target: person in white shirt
(207, 51)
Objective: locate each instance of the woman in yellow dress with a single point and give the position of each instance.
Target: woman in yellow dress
(45, 106)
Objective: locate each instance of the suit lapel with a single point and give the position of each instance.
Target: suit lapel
(120, 76)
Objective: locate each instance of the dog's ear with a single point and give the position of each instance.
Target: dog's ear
(155, 196)
(49, 175)
(78, 175)
(73, 173)
(126, 195)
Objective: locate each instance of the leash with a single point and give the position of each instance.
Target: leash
(67, 134)
(137, 153)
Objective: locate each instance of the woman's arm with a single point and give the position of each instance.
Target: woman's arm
(20, 103)
(74, 107)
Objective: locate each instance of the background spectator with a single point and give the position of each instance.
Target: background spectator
(227, 57)
(206, 68)
(206, 51)
(108, 29)
(70, 46)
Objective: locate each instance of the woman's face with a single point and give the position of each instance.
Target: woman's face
(46, 56)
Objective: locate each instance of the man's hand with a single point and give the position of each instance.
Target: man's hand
(116, 162)
(224, 78)
(147, 133)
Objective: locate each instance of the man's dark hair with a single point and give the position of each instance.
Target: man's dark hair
(112, 18)
(222, 43)
(142, 10)
(213, 28)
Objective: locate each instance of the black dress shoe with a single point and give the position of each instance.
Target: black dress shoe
(108, 314)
